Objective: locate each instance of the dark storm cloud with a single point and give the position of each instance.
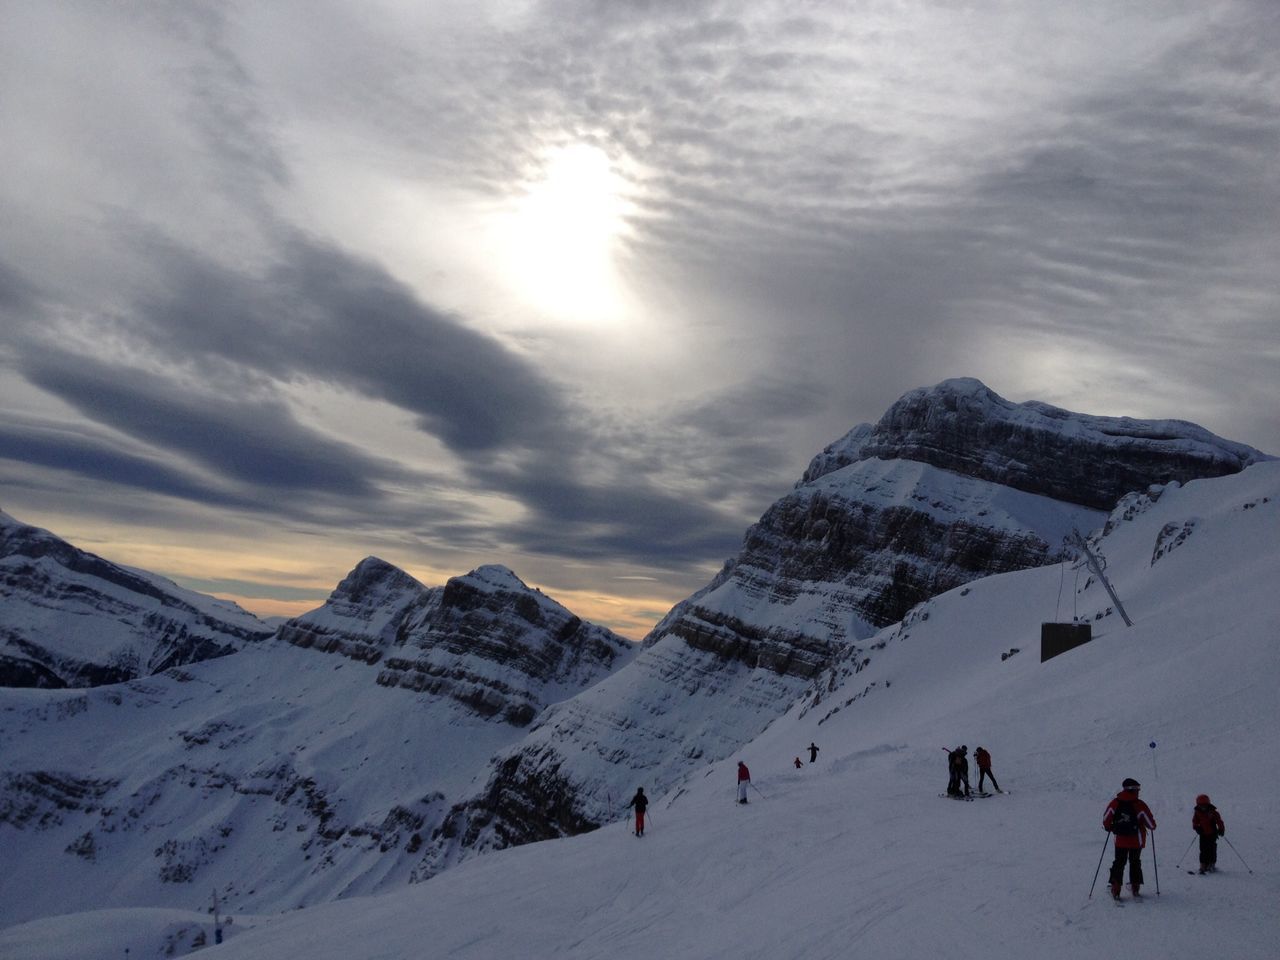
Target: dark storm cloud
(620, 519)
(254, 441)
(101, 458)
(674, 494)
(322, 314)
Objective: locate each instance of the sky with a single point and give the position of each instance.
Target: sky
(581, 286)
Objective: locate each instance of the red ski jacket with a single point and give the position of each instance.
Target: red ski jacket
(744, 775)
(1207, 821)
(983, 758)
(1142, 813)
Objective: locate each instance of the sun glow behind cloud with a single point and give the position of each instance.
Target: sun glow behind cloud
(563, 236)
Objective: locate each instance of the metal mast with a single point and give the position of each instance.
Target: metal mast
(1077, 541)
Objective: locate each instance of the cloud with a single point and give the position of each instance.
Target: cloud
(227, 342)
(1073, 203)
(101, 458)
(320, 313)
(254, 441)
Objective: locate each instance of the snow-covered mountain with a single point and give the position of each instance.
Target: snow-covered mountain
(69, 618)
(856, 855)
(313, 766)
(952, 484)
(401, 729)
(486, 641)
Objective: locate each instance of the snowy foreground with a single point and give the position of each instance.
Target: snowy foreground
(857, 855)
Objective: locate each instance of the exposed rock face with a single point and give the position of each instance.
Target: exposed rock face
(952, 484)
(369, 613)
(70, 618)
(964, 427)
(485, 640)
(322, 767)
(401, 727)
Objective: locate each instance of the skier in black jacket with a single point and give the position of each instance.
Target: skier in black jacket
(640, 802)
(958, 771)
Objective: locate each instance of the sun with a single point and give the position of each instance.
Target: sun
(565, 232)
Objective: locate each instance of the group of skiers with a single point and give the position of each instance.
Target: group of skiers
(958, 771)
(1126, 818)
(813, 755)
(640, 802)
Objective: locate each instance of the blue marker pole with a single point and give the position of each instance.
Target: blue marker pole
(1154, 769)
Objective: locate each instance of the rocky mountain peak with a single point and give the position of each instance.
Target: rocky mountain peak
(953, 483)
(71, 618)
(496, 576)
(963, 426)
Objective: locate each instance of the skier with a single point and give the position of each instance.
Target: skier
(640, 802)
(813, 752)
(798, 763)
(984, 769)
(1128, 819)
(1208, 825)
(958, 771)
(744, 778)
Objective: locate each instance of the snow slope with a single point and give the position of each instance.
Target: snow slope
(290, 772)
(857, 855)
(71, 618)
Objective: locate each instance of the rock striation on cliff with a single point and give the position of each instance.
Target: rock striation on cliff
(952, 484)
(317, 765)
(485, 640)
(69, 618)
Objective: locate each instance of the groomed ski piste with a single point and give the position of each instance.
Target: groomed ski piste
(856, 855)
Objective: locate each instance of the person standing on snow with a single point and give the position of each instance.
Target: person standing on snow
(1208, 825)
(984, 769)
(744, 778)
(958, 772)
(953, 773)
(813, 752)
(798, 763)
(1128, 819)
(640, 802)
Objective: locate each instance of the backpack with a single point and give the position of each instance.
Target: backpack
(1124, 821)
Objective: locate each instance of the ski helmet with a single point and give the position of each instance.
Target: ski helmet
(1130, 784)
(1202, 800)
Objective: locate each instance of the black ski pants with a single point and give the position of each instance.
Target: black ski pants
(1209, 849)
(954, 784)
(1134, 857)
(983, 773)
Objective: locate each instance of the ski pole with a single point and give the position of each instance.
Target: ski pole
(1237, 853)
(648, 819)
(1155, 861)
(1184, 854)
(1099, 870)
(757, 790)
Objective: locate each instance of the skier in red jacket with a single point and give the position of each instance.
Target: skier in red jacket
(744, 778)
(1128, 819)
(1208, 825)
(984, 769)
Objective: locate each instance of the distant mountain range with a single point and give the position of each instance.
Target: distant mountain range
(71, 619)
(400, 728)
